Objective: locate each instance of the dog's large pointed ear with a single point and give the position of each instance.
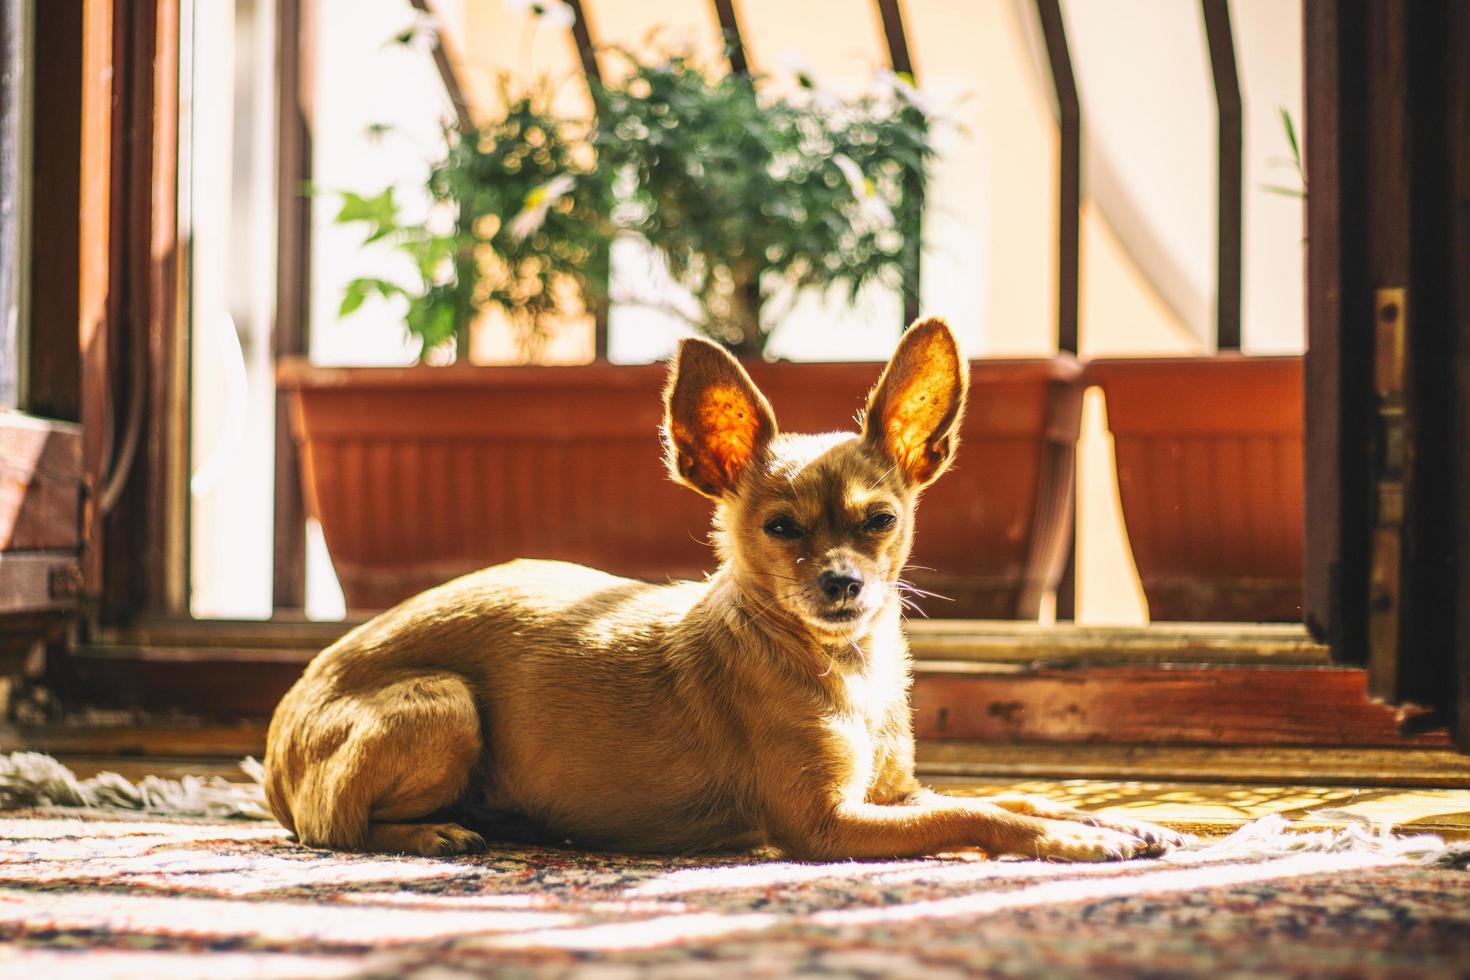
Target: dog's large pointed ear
(716, 422)
(913, 414)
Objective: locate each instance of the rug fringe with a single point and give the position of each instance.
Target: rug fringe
(33, 779)
(1272, 837)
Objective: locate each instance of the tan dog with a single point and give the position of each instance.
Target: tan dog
(767, 704)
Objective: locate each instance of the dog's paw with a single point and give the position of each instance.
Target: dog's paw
(1150, 833)
(426, 839)
(1068, 841)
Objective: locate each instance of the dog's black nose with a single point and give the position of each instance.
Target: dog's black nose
(838, 587)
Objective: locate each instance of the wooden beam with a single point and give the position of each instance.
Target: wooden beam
(890, 13)
(1325, 457)
(1316, 765)
(464, 116)
(1069, 166)
(1206, 705)
(586, 48)
(587, 57)
(730, 33)
(145, 497)
(1229, 177)
(53, 387)
(295, 44)
(899, 59)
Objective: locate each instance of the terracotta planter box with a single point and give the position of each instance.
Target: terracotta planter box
(1210, 472)
(420, 474)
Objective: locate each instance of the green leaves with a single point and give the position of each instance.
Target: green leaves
(735, 190)
(380, 213)
(358, 290)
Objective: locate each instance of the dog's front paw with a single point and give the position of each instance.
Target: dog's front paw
(1150, 833)
(425, 839)
(1067, 841)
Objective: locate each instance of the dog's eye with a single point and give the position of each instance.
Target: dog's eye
(880, 522)
(783, 527)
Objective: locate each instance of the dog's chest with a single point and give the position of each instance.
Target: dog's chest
(856, 729)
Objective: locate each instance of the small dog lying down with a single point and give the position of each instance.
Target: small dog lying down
(765, 705)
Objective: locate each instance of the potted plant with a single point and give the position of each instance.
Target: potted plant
(417, 474)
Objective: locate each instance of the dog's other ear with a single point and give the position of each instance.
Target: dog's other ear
(913, 414)
(715, 419)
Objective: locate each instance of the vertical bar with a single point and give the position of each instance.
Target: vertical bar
(730, 31)
(902, 63)
(463, 117)
(1069, 191)
(1228, 209)
(587, 55)
(586, 49)
(1458, 128)
(53, 388)
(1323, 101)
(1069, 245)
(295, 42)
(96, 308)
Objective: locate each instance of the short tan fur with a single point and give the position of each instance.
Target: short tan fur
(767, 704)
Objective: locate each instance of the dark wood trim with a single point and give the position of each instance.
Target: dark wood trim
(586, 48)
(582, 38)
(1317, 765)
(99, 305)
(463, 116)
(1172, 704)
(1069, 166)
(145, 496)
(730, 33)
(1458, 130)
(1229, 176)
(890, 13)
(1325, 453)
(53, 387)
(295, 47)
(1069, 235)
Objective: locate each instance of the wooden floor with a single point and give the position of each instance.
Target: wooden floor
(1208, 809)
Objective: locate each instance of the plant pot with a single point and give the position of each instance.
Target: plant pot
(420, 474)
(1210, 473)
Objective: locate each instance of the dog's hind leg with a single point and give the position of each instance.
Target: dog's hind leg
(411, 747)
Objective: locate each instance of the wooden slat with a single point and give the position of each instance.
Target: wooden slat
(586, 47)
(730, 31)
(1159, 643)
(54, 384)
(1069, 167)
(938, 760)
(1260, 706)
(1458, 126)
(40, 484)
(1327, 482)
(448, 76)
(1221, 44)
(295, 46)
(890, 13)
(582, 37)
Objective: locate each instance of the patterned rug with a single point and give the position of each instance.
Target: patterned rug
(103, 896)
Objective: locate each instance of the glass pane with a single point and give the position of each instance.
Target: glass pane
(230, 119)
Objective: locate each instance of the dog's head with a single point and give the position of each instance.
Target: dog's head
(820, 524)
